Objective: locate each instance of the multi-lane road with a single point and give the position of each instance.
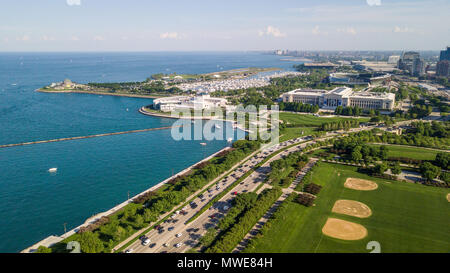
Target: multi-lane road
(176, 235)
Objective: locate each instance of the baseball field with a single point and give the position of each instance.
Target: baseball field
(350, 212)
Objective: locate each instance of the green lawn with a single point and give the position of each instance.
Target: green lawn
(406, 217)
(296, 132)
(411, 152)
(310, 120)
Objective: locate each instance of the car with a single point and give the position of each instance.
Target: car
(179, 235)
(129, 250)
(196, 230)
(235, 193)
(143, 237)
(213, 216)
(152, 245)
(226, 208)
(170, 228)
(178, 245)
(158, 227)
(146, 242)
(165, 245)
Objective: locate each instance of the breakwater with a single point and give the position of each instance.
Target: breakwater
(90, 136)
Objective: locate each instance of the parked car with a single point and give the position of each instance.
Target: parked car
(178, 235)
(129, 250)
(178, 245)
(152, 245)
(170, 228)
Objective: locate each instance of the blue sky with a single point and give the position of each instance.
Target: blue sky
(151, 25)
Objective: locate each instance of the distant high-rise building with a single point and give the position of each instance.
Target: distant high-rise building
(443, 68)
(412, 62)
(418, 67)
(393, 59)
(445, 55)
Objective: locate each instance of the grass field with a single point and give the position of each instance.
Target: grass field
(406, 217)
(411, 152)
(310, 120)
(296, 132)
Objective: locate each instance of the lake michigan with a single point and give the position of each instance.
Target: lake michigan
(93, 174)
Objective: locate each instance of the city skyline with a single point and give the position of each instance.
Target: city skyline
(87, 25)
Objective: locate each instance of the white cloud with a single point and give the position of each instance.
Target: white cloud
(271, 31)
(73, 2)
(171, 35)
(348, 30)
(24, 38)
(99, 38)
(47, 38)
(398, 29)
(374, 2)
(316, 31)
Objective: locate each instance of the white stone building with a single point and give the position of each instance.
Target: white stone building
(341, 96)
(188, 102)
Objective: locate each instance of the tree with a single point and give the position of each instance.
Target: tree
(445, 177)
(43, 249)
(429, 171)
(380, 168)
(149, 216)
(139, 220)
(118, 233)
(356, 155)
(442, 160)
(396, 168)
(383, 152)
(90, 243)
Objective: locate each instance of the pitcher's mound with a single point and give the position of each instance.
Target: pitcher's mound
(352, 208)
(360, 184)
(344, 230)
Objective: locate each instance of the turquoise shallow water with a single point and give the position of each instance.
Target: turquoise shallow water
(93, 174)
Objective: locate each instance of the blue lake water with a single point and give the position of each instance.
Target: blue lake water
(93, 174)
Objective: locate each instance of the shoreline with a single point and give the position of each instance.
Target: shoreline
(53, 239)
(101, 93)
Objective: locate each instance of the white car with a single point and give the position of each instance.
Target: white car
(178, 245)
(129, 250)
(146, 242)
(226, 208)
(179, 235)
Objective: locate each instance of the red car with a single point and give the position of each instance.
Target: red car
(235, 193)
(213, 216)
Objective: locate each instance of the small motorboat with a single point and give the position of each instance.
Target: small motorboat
(203, 144)
(230, 140)
(52, 170)
(217, 126)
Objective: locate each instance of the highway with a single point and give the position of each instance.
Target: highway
(178, 236)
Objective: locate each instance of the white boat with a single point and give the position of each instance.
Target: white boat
(203, 144)
(217, 126)
(52, 170)
(230, 140)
